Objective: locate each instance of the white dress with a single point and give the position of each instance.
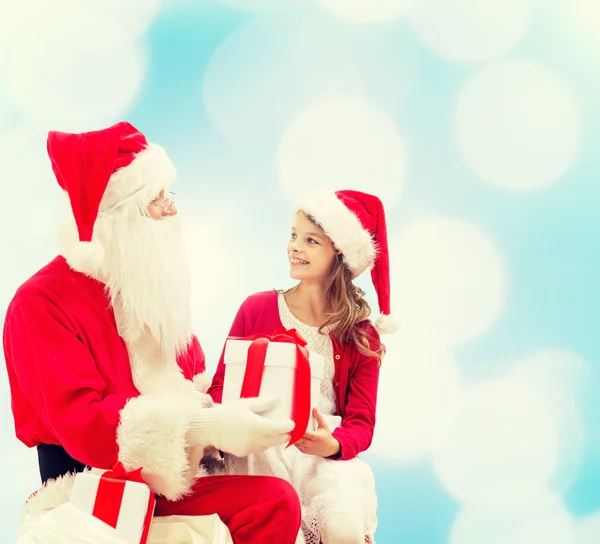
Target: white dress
(326, 487)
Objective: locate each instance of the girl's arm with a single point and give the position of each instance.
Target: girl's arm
(238, 328)
(358, 424)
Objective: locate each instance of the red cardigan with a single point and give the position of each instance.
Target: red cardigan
(356, 375)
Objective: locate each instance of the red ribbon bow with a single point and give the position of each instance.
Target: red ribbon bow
(255, 366)
(109, 497)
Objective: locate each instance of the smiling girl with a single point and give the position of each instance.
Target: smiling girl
(334, 238)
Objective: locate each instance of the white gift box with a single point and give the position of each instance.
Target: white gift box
(131, 503)
(278, 376)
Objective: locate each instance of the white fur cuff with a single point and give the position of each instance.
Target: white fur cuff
(153, 435)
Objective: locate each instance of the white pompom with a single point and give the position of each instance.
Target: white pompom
(386, 324)
(85, 257)
(202, 382)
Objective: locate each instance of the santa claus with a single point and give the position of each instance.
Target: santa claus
(101, 358)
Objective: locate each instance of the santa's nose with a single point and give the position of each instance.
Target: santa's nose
(171, 209)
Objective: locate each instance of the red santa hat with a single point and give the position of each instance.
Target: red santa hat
(106, 170)
(355, 223)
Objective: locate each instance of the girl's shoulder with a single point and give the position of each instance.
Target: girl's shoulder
(373, 342)
(259, 301)
(369, 330)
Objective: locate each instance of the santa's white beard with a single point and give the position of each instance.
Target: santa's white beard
(146, 272)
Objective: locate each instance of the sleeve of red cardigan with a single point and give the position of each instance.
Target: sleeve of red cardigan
(59, 377)
(358, 424)
(198, 366)
(198, 357)
(238, 328)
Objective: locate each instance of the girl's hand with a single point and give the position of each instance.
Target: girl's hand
(320, 442)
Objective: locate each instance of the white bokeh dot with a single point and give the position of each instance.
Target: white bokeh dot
(588, 530)
(134, 15)
(5, 106)
(559, 378)
(34, 205)
(517, 125)
(279, 71)
(342, 143)
(582, 17)
(79, 79)
(554, 528)
(418, 387)
(264, 6)
(590, 9)
(373, 11)
(211, 276)
(219, 256)
(537, 518)
(471, 30)
(449, 278)
(501, 441)
(12, 15)
(212, 273)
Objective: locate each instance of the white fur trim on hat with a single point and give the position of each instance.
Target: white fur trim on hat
(386, 324)
(141, 181)
(342, 227)
(85, 257)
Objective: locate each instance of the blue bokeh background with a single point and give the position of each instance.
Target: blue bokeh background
(480, 124)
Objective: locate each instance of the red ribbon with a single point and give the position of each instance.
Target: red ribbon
(110, 496)
(255, 366)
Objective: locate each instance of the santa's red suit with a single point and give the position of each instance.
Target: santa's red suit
(102, 363)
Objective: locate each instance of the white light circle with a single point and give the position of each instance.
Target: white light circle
(74, 87)
(373, 11)
(517, 125)
(419, 387)
(215, 256)
(582, 18)
(471, 30)
(34, 207)
(134, 15)
(210, 275)
(280, 71)
(448, 278)
(588, 530)
(264, 6)
(501, 441)
(342, 143)
(542, 520)
(6, 107)
(554, 528)
(559, 378)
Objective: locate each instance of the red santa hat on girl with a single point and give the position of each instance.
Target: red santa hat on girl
(114, 170)
(355, 223)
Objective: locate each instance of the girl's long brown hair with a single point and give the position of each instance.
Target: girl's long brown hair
(349, 308)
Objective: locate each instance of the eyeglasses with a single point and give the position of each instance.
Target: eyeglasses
(164, 202)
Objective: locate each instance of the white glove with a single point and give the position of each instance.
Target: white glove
(237, 428)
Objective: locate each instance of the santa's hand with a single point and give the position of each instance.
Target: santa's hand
(238, 428)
